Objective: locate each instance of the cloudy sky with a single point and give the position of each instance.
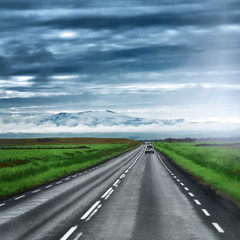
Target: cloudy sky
(154, 59)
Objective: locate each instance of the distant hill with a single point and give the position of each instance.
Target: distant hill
(106, 118)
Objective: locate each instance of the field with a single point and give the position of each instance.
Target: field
(215, 164)
(25, 163)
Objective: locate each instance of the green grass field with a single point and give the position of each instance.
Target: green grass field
(217, 165)
(29, 165)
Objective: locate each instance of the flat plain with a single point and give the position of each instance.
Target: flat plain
(26, 163)
(215, 164)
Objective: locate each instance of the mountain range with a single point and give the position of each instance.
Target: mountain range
(108, 124)
(106, 118)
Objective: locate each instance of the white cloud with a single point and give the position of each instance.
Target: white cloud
(68, 35)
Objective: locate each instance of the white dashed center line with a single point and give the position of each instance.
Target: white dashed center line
(122, 175)
(78, 236)
(187, 189)
(59, 182)
(116, 183)
(106, 193)
(48, 186)
(218, 227)
(2, 204)
(90, 210)
(68, 233)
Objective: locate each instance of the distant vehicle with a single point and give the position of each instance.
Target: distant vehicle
(149, 149)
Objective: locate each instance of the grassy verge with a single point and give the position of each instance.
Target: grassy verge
(217, 166)
(26, 166)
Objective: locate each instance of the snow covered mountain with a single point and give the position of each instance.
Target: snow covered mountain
(106, 118)
(107, 124)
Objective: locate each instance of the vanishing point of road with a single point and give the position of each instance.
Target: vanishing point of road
(134, 196)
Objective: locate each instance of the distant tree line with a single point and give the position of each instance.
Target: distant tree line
(187, 139)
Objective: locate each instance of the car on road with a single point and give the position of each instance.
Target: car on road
(149, 149)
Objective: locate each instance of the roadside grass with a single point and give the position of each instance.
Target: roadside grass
(21, 169)
(217, 167)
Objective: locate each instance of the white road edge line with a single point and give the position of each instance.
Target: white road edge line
(68, 233)
(35, 191)
(48, 186)
(191, 194)
(106, 193)
(20, 197)
(90, 210)
(206, 212)
(187, 189)
(197, 202)
(59, 182)
(218, 227)
(2, 204)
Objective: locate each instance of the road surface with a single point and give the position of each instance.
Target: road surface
(134, 196)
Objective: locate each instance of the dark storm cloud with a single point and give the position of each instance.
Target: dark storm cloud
(160, 19)
(110, 39)
(4, 66)
(31, 54)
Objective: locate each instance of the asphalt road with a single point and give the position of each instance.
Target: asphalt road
(135, 196)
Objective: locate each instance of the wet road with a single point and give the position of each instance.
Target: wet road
(135, 196)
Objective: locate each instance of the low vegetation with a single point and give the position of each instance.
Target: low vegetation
(216, 164)
(28, 163)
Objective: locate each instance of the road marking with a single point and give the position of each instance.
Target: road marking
(109, 194)
(78, 236)
(218, 227)
(106, 193)
(20, 197)
(2, 204)
(182, 184)
(174, 176)
(126, 171)
(197, 202)
(122, 176)
(178, 180)
(67, 179)
(187, 189)
(74, 175)
(68, 233)
(206, 212)
(94, 212)
(35, 191)
(48, 186)
(59, 182)
(79, 174)
(116, 183)
(191, 194)
(90, 210)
